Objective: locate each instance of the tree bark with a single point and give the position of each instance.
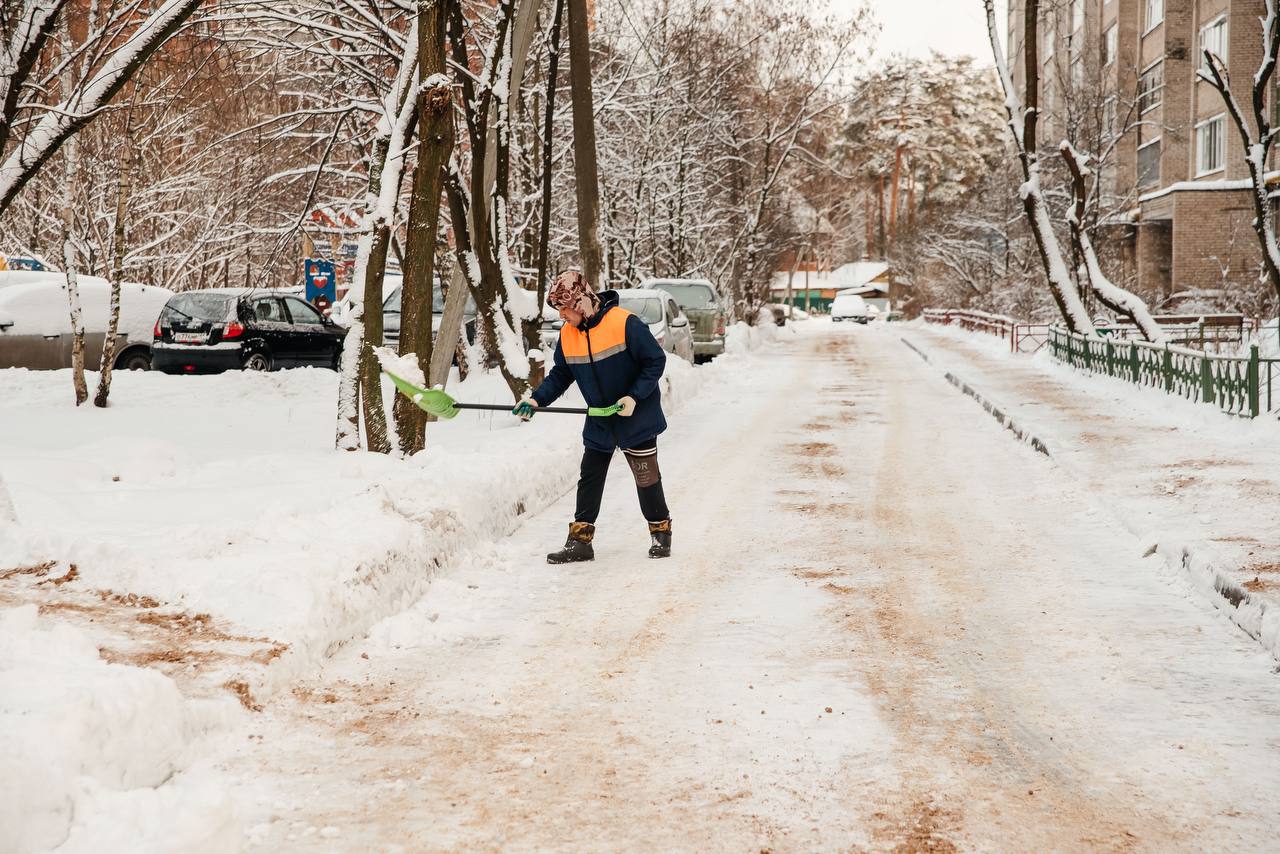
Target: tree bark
(544, 227)
(584, 144)
(1256, 148)
(360, 381)
(1119, 300)
(435, 135)
(523, 27)
(124, 187)
(1022, 120)
(69, 262)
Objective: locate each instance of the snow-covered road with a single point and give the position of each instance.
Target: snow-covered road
(886, 626)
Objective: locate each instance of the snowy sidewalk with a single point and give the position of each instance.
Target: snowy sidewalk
(1199, 485)
(885, 627)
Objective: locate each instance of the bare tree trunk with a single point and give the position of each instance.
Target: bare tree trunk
(544, 227)
(124, 186)
(372, 407)
(584, 144)
(522, 28)
(1022, 126)
(896, 183)
(1256, 147)
(360, 380)
(1117, 299)
(791, 277)
(72, 160)
(435, 134)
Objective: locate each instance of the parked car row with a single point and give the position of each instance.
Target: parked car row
(684, 315)
(35, 322)
(218, 329)
(697, 298)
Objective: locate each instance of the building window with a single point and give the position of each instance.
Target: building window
(1109, 118)
(1213, 38)
(1155, 15)
(1149, 164)
(1151, 87)
(1046, 39)
(1110, 45)
(1077, 72)
(1077, 15)
(1210, 139)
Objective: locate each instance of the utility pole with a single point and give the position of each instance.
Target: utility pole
(584, 144)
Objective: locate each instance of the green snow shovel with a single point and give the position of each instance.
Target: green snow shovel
(441, 405)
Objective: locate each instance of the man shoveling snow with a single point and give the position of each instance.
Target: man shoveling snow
(612, 356)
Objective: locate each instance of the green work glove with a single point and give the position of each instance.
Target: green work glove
(524, 409)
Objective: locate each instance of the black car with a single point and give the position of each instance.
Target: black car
(246, 328)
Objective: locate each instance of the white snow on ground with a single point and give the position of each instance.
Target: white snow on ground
(1200, 485)
(98, 755)
(885, 626)
(221, 500)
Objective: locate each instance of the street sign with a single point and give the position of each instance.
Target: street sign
(321, 286)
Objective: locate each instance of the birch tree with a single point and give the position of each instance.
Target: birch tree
(1119, 300)
(360, 375)
(1257, 136)
(126, 174)
(1022, 122)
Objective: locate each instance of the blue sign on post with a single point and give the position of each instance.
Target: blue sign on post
(322, 287)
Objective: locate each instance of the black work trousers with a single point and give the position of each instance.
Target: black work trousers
(644, 467)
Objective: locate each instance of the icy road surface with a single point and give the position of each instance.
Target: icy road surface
(887, 626)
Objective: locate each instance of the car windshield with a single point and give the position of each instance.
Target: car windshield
(201, 306)
(392, 304)
(648, 308)
(690, 296)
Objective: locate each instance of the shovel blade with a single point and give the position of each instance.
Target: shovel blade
(430, 400)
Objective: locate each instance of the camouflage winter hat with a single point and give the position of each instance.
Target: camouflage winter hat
(570, 290)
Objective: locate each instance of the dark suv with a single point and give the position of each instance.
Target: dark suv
(251, 328)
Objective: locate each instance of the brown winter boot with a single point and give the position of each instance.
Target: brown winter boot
(578, 546)
(660, 533)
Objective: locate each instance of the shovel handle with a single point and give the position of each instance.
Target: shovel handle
(498, 407)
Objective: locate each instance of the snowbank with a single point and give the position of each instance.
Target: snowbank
(89, 749)
(222, 495)
(742, 337)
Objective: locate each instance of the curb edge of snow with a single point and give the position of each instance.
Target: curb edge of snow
(1251, 614)
(1014, 427)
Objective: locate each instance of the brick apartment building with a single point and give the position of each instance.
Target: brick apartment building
(1177, 181)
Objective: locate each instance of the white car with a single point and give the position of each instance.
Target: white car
(850, 307)
(666, 321)
(35, 323)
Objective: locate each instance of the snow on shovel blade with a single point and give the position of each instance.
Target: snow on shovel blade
(429, 400)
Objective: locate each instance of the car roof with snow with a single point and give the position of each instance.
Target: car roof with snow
(651, 282)
(641, 293)
(240, 292)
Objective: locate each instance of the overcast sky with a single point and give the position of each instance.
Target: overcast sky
(915, 27)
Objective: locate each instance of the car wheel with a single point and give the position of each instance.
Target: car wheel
(134, 360)
(259, 360)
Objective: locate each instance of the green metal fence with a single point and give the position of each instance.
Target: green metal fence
(1238, 385)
